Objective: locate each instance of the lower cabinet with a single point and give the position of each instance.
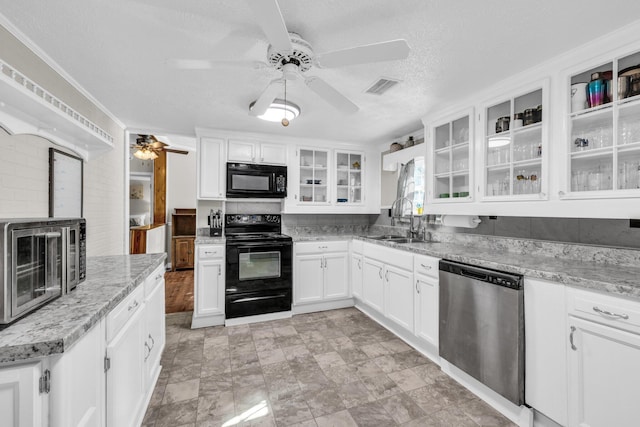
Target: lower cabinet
(387, 284)
(183, 252)
(320, 272)
(209, 286)
(603, 348)
(426, 309)
(154, 333)
(357, 273)
(21, 402)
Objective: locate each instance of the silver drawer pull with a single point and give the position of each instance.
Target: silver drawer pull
(159, 276)
(573, 346)
(610, 314)
(146, 346)
(153, 342)
(427, 267)
(134, 305)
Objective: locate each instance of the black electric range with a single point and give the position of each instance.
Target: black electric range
(258, 266)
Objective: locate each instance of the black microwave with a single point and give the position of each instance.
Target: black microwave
(246, 180)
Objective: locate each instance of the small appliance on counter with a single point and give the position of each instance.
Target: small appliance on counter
(41, 259)
(215, 223)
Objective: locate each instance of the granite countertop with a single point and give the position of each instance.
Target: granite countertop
(206, 240)
(56, 326)
(616, 279)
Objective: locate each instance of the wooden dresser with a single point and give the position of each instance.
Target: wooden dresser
(183, 236)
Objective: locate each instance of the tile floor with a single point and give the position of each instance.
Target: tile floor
(336, 368)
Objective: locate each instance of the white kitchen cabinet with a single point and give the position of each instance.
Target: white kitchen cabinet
(514, 157)
(603, 134)
(78, 386)
(321, 271)
(209, 287)
(211, 168)
(154, 335)
(399, 292)
(545, 348)
(21, 402)
(426, 307)
(373, 284)
(357, 272)
(313, 176)
(349, 179)
(257, 152)
(125, 373)
(452, 159)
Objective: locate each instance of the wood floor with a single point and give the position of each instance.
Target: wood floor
(178, 288)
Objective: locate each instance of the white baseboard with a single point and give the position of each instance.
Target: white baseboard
(257, 318)
(322, 306)
(206, 321)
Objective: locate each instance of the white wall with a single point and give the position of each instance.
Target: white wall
(24, 167)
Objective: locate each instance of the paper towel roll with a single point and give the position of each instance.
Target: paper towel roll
(466, 221)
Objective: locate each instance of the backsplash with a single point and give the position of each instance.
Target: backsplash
(303, 224)
(585, 231)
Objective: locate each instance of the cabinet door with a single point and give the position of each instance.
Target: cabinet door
(399, 296)
(349, 178)
(314, 176)
(210, 287)
(604, 379)
(309, 273)
(336, 275)
(356, 275)
(241, 151)
(275, 154)
(426, 309)
(154, 337)
(20, 401)
(211, 170)
(373, 284)
(184, 253)
(125, 377)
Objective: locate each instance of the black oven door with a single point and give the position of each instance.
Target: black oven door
(260, 181)
(258, 278)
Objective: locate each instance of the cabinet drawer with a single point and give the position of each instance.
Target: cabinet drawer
(153, 280)
(210, 251)
(118, 317)
(389, 256)
(606, 309)
(426, 265)
(357, 246)
(321, 247)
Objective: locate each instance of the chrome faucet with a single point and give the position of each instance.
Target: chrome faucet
(412, 232)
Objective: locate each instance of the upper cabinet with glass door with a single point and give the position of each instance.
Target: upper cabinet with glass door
(452, 160)
(314, 176)
(604, 130)
(515, 147)
(349, 177)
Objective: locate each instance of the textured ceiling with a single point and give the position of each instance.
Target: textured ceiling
(121, 52)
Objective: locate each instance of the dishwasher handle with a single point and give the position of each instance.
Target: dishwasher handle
(495, 277)
(475, 275)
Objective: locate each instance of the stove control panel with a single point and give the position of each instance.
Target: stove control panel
(252, 219)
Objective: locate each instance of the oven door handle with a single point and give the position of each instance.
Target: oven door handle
(262, 245)
(250, 299)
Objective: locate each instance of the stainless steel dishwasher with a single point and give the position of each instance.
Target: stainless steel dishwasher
(482, 326)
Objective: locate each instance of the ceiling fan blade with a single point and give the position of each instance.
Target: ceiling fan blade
(268, 16)
(158, 144)
(206, 64)
(266, 98)
(385, 51)
(172, 150)
(330, 95)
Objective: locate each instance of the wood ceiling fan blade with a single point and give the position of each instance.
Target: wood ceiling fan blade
(172, 150)
(376, 52)
(266, 98)
(330, 95)
(268, 16)
(158, 144)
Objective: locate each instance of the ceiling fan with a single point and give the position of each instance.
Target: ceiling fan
(148, 146)
(289, 53)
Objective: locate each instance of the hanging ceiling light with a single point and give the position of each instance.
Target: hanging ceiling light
(278, 110)
(145, 153)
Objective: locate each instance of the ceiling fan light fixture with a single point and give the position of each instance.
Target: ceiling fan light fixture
(278, 110)
(145, 154)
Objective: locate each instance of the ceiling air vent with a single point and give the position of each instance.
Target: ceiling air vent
(382, 85)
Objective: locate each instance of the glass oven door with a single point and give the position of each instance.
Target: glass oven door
(38, 267)
(258, 266)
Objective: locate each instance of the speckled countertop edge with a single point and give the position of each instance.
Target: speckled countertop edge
(55, 327)
(206, 240)
(608, 278)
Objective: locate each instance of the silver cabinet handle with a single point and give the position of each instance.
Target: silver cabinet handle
(426, 267)
(219, 270)
(134, 305)
(209, 253)
(386, 275)
(573, 346)
(359, 264)
(153, 342)
(321, 263)
(159, 276)
(417, 287)
(380, 272)
(610, 314)
(148, 351)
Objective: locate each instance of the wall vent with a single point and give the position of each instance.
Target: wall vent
(382, 85)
